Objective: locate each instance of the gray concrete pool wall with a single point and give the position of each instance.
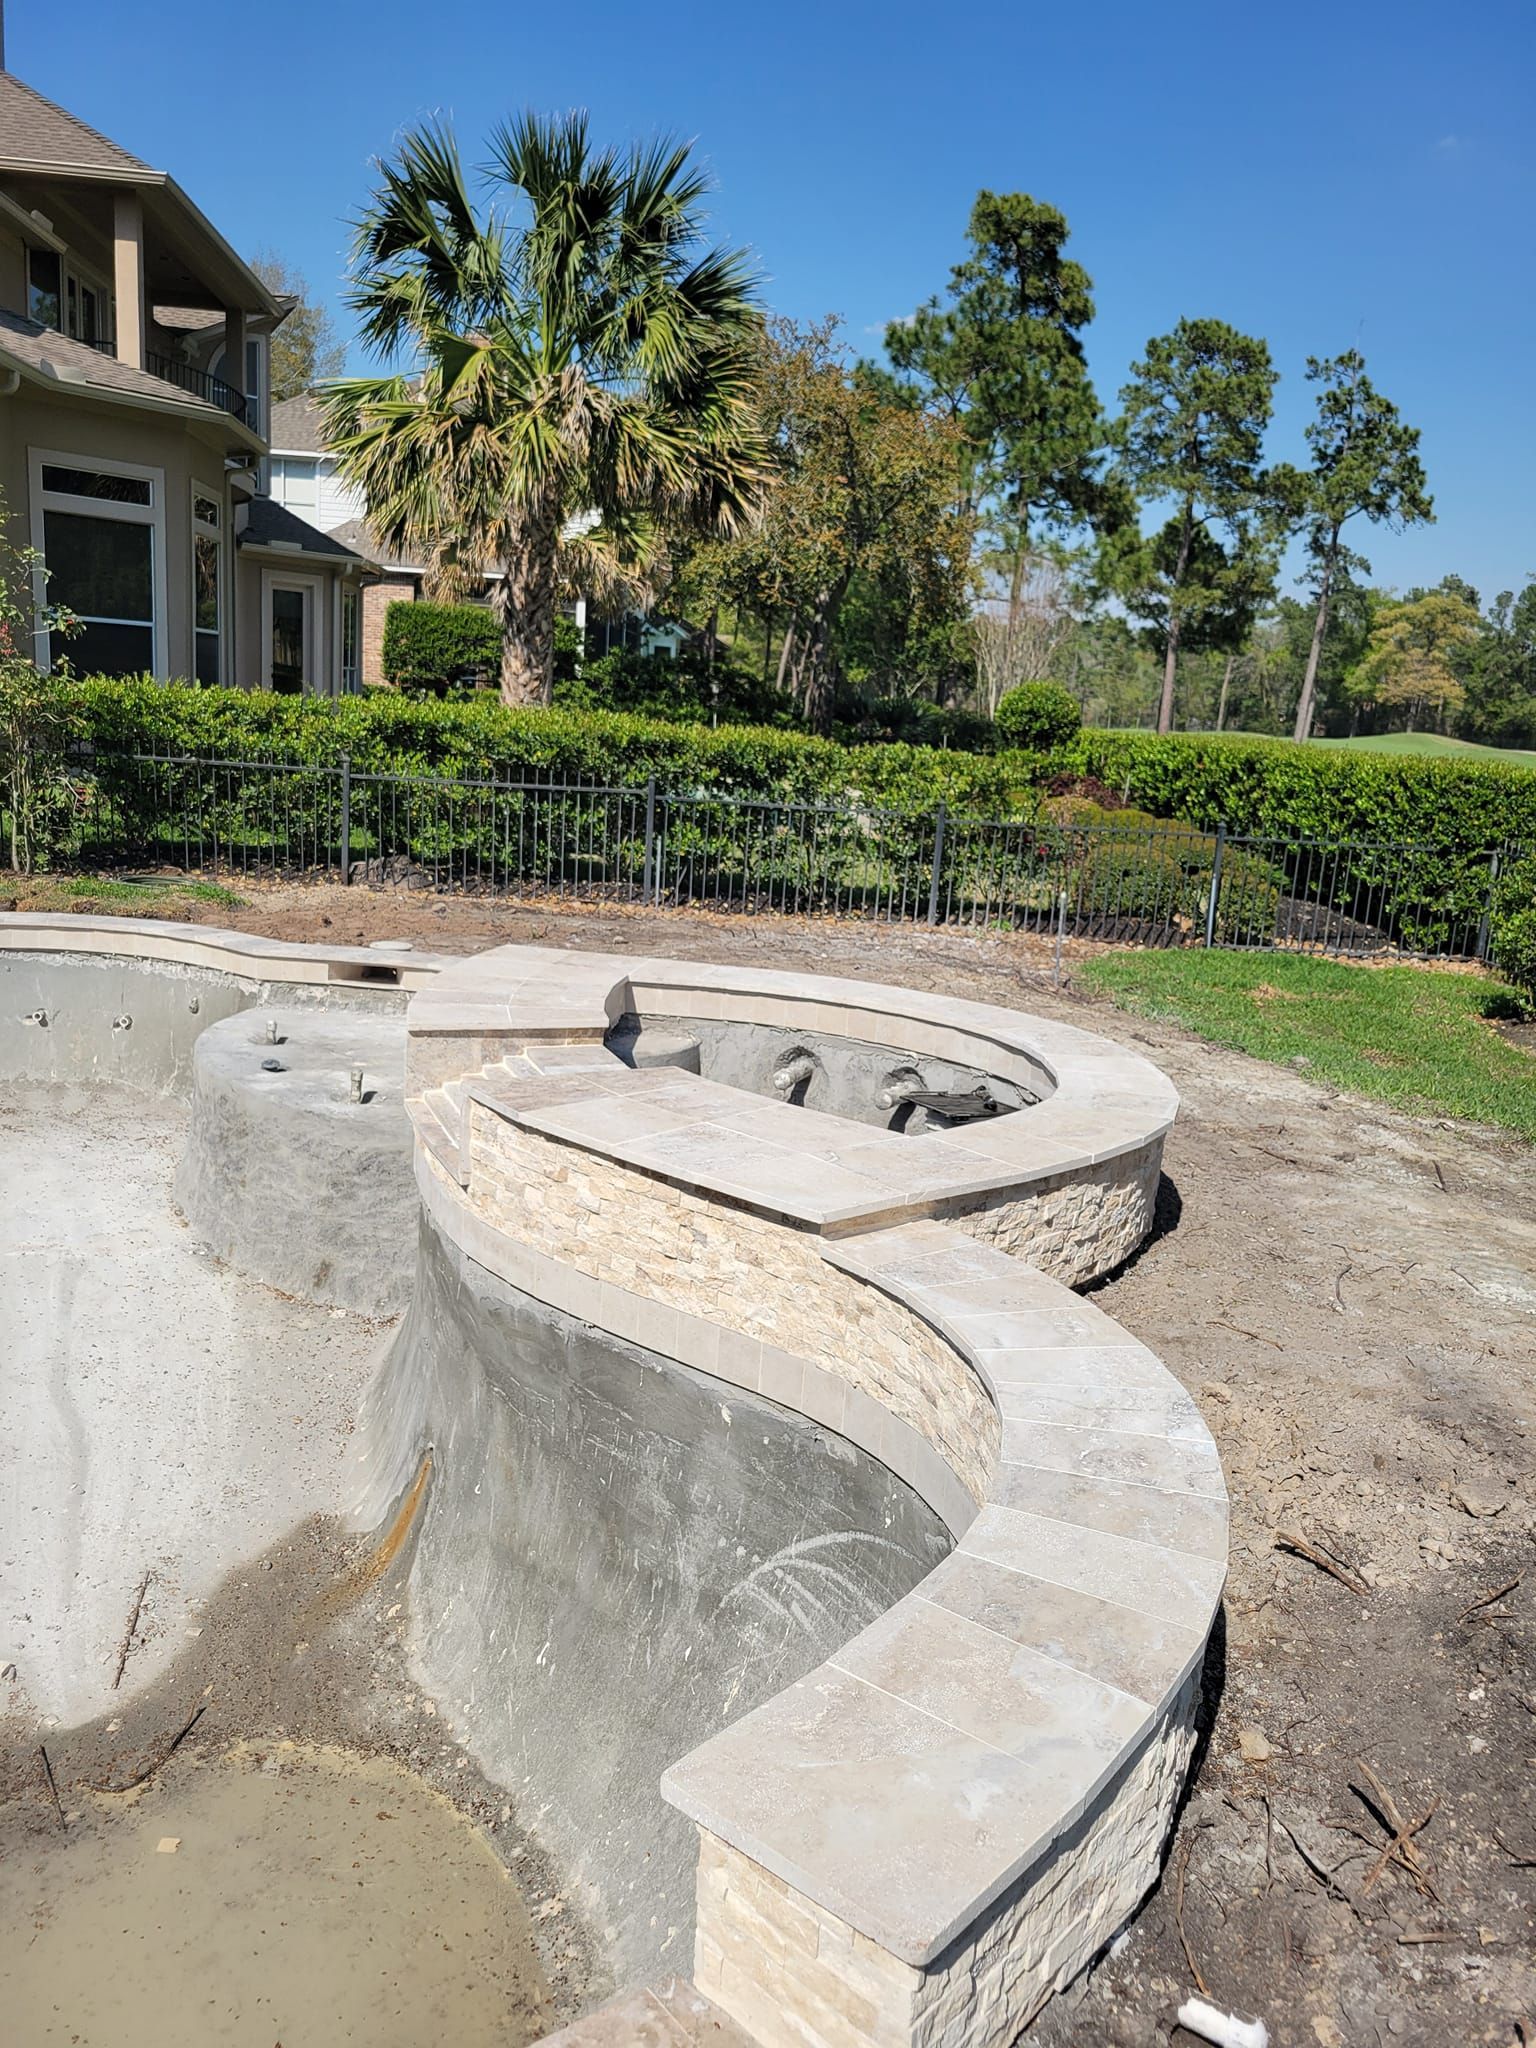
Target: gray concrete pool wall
(108, 1017)
(618, 1557)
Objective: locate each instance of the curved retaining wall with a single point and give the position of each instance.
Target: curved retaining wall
(125, 999)
(946, 1819)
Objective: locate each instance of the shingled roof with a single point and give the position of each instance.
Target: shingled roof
(36, 133)
(297, 426)
(72, 364)
(269, 524)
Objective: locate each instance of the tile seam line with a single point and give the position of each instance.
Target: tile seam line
(1105, 1479)
(1161, 1436)
(1066, 1586)
(927, 1713)
(1062, 1663)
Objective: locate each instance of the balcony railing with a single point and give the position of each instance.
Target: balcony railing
(212, 389)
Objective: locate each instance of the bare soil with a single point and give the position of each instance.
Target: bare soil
(1350, 1295)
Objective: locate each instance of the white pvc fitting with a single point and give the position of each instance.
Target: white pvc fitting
(1224, 2028)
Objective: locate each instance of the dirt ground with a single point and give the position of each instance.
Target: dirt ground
(1350, 1295)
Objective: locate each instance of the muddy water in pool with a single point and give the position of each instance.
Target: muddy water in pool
(279, 1894)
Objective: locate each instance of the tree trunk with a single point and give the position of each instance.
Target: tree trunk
(1226, 684)
(527, 607)
(786, 650)
(1303, 729)
(818, 665)
(1171, 658)
(1016, 586)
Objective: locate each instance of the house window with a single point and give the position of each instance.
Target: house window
(100, 533)
(44, 288)
(293, 482)
(60, 298)
(207, 589)
(351, 639)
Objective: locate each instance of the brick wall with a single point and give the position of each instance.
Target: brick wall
(377, 598)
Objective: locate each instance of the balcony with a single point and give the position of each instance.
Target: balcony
(213, 390)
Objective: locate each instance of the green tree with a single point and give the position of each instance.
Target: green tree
(574, 351)
(39, 712)
(1500, 673)
(860, 516)
(1410, 660)
(305, 348)
(1365, 464)
(1191, 430)
(1003, 358)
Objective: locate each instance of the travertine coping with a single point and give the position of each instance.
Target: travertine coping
(224, 952)
(959, 1806)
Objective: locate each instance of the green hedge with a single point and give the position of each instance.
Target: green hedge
(1452, 812)
(386, 732)
(1274, 786)
(432, 646)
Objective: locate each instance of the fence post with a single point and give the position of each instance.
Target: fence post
(1211, 900)
(346, 819)
(1061, 929)
(650, 839)
(1487, 918)
(938, 863)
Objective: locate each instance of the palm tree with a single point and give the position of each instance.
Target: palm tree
(579, 370)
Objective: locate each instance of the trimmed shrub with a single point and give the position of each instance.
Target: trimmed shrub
(1419, 832)
(1038, 716)
(683, 687)
(435, 647)
(1124, 866)
(1276, 787)
(389, 732)
(1513, 924)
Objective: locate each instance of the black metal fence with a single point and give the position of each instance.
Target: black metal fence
(1163, 884)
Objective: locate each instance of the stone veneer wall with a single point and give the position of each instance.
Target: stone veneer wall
(1074, 1226)
(715, 1259)
(796, 1976)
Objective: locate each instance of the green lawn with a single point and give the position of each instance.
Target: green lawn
(89, 894)
(1404, 1035)
(1430, 743)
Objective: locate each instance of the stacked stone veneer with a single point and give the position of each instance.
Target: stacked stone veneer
(1075, 1225)
(794, 1974)
(714, 1259)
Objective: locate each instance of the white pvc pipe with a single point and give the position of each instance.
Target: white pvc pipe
(1224, 2028)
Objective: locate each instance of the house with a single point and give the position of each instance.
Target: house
(134, 426)
(306, 479)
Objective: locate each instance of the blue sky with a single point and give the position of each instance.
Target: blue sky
(1324, 175)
